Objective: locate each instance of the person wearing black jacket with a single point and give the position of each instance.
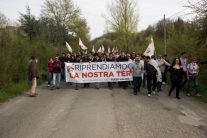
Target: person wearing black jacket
(176, 71)
(86, 59)
(123, 58)
(63, 59)
(97, 59)
(151, 76)
(77, 59)
(110, 58)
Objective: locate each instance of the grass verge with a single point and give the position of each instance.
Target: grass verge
(14, 90)
(203, 92)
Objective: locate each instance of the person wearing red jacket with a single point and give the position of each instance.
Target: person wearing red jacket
(57, 68)
(50, 72)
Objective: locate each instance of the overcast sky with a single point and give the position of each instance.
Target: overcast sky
(150, 11)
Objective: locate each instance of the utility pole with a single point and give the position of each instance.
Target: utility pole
(165, 41)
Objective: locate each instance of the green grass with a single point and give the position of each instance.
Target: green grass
(203, 92)
(14, 90)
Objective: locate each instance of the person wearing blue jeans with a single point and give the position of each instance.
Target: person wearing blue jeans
(192, 78)
(137, 68)
(50, 76)
(193, 70)
(56, 80)
(97, 85)
(57, 67)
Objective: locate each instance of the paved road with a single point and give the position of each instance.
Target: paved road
(103, 113)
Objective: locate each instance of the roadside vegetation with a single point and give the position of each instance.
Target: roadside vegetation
(45, 37)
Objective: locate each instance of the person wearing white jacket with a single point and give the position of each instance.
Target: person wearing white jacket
(159, 74)
(162, 64)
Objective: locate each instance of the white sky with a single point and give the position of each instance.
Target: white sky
(150, 11)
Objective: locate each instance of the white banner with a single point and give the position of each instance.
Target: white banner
(98, 72)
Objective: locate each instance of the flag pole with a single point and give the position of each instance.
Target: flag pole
(165, 36)
(155, 54)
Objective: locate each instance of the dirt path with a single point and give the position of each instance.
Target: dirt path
(103, 113)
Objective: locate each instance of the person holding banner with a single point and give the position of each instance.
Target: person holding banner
(110, 58)
(137, 68)
(97, 59)
(86, 59)
(77, 59)
(122, 58)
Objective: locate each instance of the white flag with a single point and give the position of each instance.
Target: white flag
(100, 49)
(109, 50)
(69, 47)
(113, 50)
(150, 49)
(93, 50)
(82, 45)
(116, 49)
(103, 49)
(72, 33)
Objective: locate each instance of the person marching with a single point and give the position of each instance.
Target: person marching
(137, 68)
(164, 79)
(110, 58)
(123, 58)
(86, 59)
(57, 68)
(50, 72)
(193, 71)
(176, 71)
(151, 76)
(97, 59)
(184, 63)
(162, 64)
(77, 59)
(33, 75)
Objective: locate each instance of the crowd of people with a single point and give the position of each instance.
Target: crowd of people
(147, 71)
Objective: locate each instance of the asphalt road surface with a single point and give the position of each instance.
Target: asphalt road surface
(103, 113)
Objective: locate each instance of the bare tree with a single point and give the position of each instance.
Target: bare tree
(63, 12)
(65, 17)
(123, 18)
(200, 8)
(3, 20)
